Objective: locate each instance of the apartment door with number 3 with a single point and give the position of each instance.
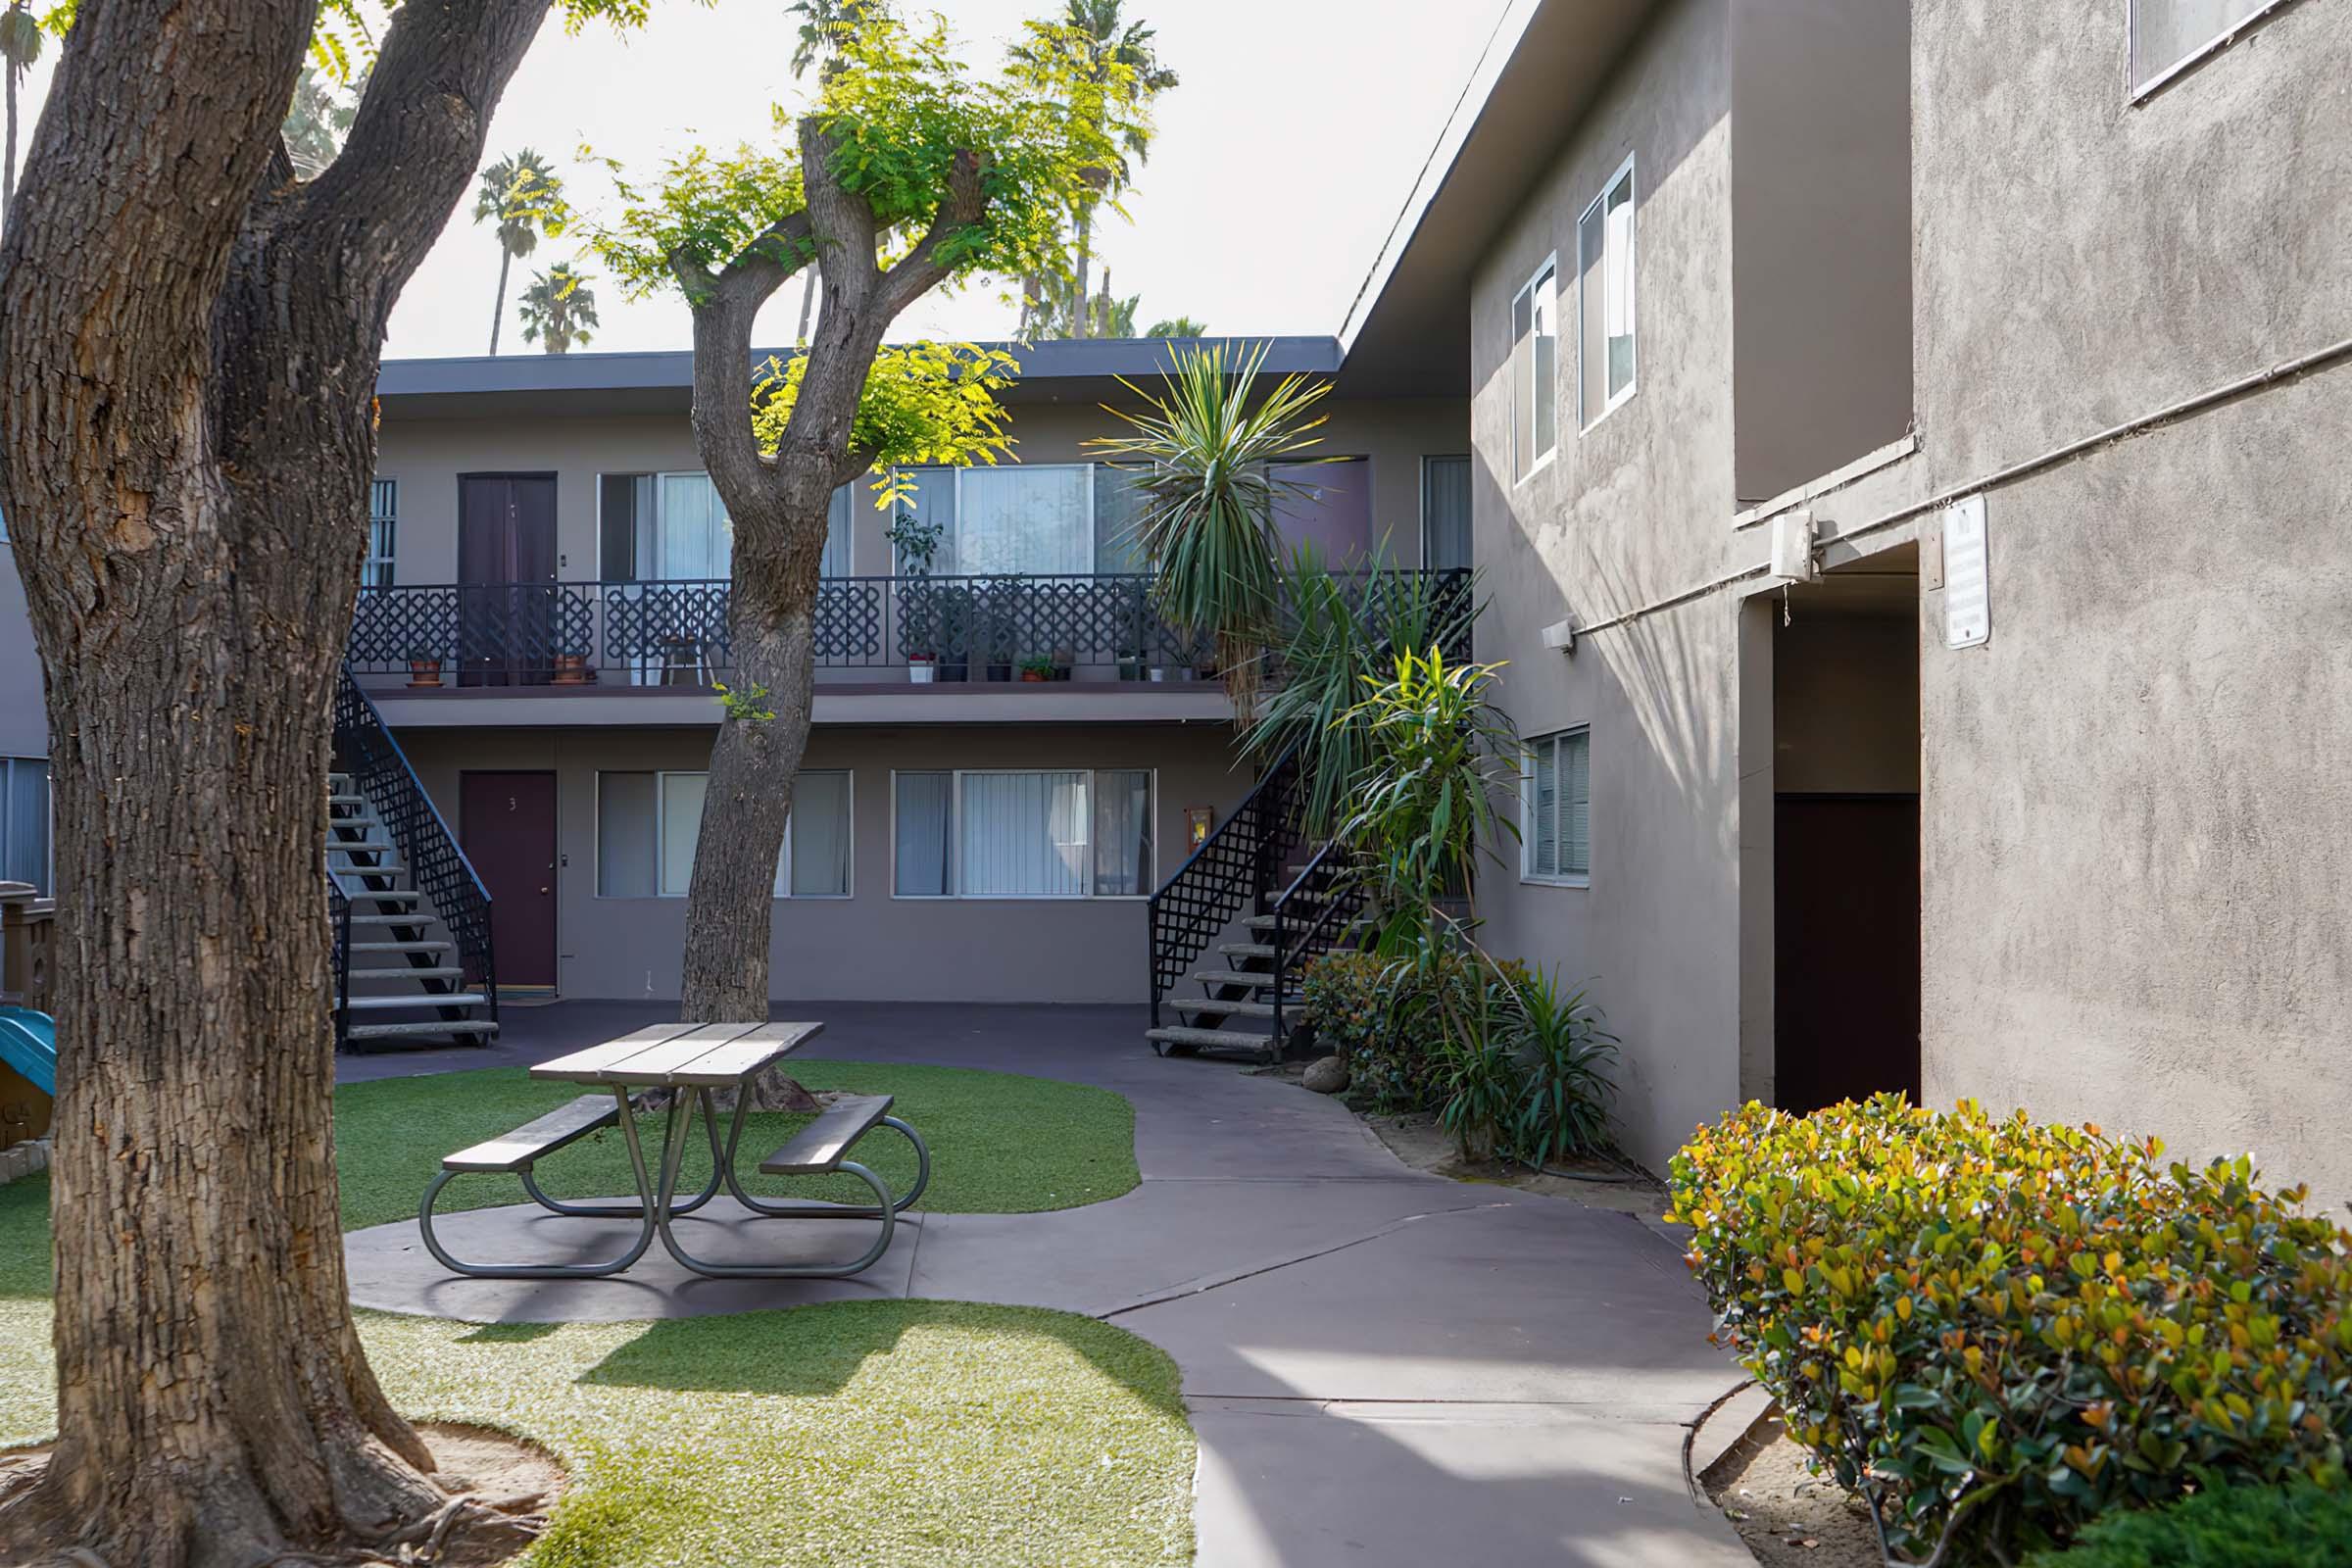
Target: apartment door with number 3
(507, 822)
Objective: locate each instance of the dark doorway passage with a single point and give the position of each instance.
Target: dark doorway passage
(508, 605)
(1845, 971)
(1845, 832)
(507, 824)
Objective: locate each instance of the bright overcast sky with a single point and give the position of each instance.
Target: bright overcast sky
(1280, 164)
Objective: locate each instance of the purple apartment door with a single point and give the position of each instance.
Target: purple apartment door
(1329, 505)
(506, 611)
(507, 822)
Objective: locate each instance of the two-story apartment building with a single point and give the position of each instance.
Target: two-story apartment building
(1910, 481)
(1009, 753)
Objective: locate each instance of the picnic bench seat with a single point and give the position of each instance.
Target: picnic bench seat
(823, 1144)
(522, 1147)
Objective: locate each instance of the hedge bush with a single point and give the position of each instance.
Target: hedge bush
(2298, 1526)
(1379, 1013)
(2001, 1330)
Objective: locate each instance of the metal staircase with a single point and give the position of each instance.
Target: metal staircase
(412, 956)
(1247, 893)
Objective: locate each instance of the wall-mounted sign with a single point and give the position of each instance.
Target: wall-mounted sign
(1967, 579)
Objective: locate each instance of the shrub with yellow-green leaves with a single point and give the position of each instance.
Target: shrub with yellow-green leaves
(2000, 1330)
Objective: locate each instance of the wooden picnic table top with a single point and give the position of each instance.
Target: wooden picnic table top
(682, 1055)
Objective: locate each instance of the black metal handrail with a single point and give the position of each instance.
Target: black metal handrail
(1234, 866)
(676, 632)
(437, 867)
(1316, 913)
(339, 921)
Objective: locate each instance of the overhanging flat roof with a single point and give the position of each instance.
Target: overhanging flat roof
(1409, 328)
(1074, 371)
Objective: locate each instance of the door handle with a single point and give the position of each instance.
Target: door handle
(543, 893)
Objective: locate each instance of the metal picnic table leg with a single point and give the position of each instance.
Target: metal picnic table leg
(775, 1211)
(560, 1206)
(649, 1213)
(673, 1147)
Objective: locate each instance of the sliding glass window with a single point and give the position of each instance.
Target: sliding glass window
(1060, 833)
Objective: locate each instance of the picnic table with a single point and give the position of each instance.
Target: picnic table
(689, 1063)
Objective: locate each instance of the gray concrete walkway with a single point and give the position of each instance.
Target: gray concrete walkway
(1383, 1368)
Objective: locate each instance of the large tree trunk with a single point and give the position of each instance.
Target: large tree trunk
(189, 343)
(498, 308)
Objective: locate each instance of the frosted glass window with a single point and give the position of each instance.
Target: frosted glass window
(1604, 246)
(1535, 372)
(625, 852)
(1556, 837)
(2169, 33)
(1017, 519)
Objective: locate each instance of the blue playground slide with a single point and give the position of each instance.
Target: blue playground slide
(29, 1044)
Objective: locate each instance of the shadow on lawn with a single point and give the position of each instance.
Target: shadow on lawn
(818, 1350)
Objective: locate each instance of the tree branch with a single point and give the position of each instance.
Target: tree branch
(842, 221)
(920, 269)
(791, 236)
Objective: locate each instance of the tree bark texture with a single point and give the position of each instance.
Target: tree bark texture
(777, 504)
(190, 341)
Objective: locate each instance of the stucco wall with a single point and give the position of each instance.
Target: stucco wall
(426, 456)
(2136, 795)
(1633, 510)
(869, 945)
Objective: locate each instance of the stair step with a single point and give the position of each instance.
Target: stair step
(1232, 977)
(392, 919)
(339, 846)
(347, 799)
(402, 947)
(1232, 1009)
(408, 895)
(445, 999)
(402, 971)
(1224, 1039)
(389, 1031)
(1249, 950)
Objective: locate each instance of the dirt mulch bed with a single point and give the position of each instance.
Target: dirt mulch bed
(1789, 1516)
(494, 1470)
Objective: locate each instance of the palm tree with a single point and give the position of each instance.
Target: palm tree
(517, 194)
(1107, 52)
(20, 41)
(558, 308)
(1177, 327)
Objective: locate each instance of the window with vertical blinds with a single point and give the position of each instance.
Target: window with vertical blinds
(1445, 513)
(1556, 835)
(647, 825)
(383, 527)
(25, 846)
(672, 527)
(1058, 833)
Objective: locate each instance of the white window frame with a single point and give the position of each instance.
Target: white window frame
(2139, 91)
(956, 775)
(783, 883)
(1611, 403)
(370, 576)
(1521, 473)
(1526, 808)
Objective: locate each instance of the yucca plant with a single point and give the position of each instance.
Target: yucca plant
(1336, 645)
(1208, 445)
(1564, 1103)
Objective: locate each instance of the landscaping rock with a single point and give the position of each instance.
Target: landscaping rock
(1327, 1075)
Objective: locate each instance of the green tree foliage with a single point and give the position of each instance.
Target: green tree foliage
(2303, 1525)
(1108, 70)
(20, 41)
(1177, 327)
(558, 309)
(522, 195)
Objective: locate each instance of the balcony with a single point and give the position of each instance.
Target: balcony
(872, 634)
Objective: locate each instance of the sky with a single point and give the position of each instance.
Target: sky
(1281, 162)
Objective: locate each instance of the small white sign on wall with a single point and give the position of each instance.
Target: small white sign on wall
(1967, 582)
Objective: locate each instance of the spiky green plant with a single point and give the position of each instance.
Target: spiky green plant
(1339, 640)
(1208, 444)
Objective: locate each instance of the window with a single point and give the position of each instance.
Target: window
(1605, 299)
(672, 527)
(25, 849)
(1535, 372)
(647, 824)
(1040, 518)
(1445, 513)
(2168, 35)
(383, 523)
(1062, 833)
(1556, 841)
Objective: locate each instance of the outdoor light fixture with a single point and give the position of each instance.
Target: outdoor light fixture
(1197, 820)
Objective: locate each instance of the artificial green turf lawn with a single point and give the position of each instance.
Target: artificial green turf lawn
(907, 1434)
(899, 1433)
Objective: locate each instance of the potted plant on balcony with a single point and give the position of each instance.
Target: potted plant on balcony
(1065, 660)
(571, 669)
(1037, 667)
(424, 667)
(926, 610)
